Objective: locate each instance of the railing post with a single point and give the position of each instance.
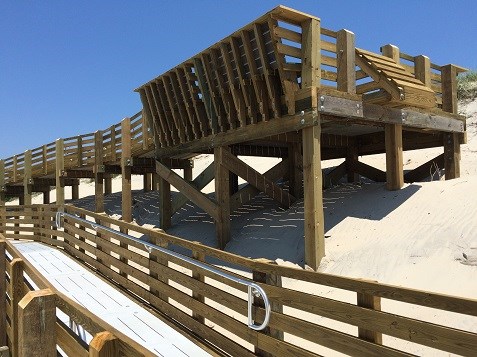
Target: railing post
(104, 344)
(126, 169)
(200, 256)
(16, 282)
(2, 184)
(3, 294)
(112, 144)
(345, 52)
(44, 159)
(98, 173)
(422, 69)
(449, 104)
(374, 303)
(270, 279)
(37, 324)
(163, 261)
(79, 153)
(27, 187)
(60, 167)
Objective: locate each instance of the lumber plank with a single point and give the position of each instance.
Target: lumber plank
(394, 158)
(254, 178)
(188, 190)
(222, 196)
(206, 95)
(311, 52)
(346, 69)
(126, 194)
(59, 168)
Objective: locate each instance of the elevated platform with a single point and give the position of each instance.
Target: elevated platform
(106, 302)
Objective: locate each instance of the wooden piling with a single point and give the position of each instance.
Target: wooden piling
(60, 167)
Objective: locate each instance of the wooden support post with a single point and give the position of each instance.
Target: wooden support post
(60, 167)
(222, 196)
(449, 104)
(104, 344)
(108, 185)
(393, 138)
(155, 181)
(161, 259)
(313, 202)
(2, 183)
(3, 296)
(200, 277)
(46, 197)
(98, 173)
(295, 174)
(373, 303)
(270, 279)
(16, 282)
(37, 324)
(188, 173)
(351, 158)
(346, 70)
(27, 187)
(394, 160)
(75, 191)
(165, 203)
(126, 193)
(147, 182)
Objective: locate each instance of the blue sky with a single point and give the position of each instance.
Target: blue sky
(70, 67)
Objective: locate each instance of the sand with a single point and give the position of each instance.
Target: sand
(423, 236)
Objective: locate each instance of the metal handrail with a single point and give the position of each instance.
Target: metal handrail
(254, 290)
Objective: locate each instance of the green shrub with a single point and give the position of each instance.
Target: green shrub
(467, 85)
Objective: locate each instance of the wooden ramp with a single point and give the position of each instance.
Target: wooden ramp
(112, 306)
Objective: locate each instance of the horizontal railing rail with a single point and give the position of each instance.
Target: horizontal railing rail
(253, 289)
(197, 298)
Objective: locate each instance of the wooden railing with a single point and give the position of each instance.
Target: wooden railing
(304, 321)
(77, 151)
(28, 314)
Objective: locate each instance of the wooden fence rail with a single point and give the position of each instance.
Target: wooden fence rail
(198, 299)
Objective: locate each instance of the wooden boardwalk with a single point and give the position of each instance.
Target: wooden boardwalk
(106, 302)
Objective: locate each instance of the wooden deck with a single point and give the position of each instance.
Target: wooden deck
(281, 86)
(106, 302)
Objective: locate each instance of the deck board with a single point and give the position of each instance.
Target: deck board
(103, 300)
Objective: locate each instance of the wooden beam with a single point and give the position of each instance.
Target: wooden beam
(351, 156)
(37, 324)
(59, 169)
(17, 293)
(27, 191)
(373, 303)
(335, 108)
(202, 180)
(248, 192)
(333, 177)
(206, 95)
(104, 344)
(75, 192)
(422, 66)
(345, 53)
(98, 179)
(394, 159)
(108, 185)
(368, 171)
(425, 170)
(222, 195)
(313, 201)
(187, 189)
(260, 130)
(452, 156)
(147, 182)
(253, 177)
(126, 194)
(391, 51)
(77, 174)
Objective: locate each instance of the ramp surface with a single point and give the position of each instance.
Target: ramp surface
(109, 304)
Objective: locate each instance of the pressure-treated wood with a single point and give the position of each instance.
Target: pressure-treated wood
(394, 160)
(126, 194)
(165, 204)
(104, 344)
(2, 184)
(222, 194)
(36, 324)
(3, 292)
(27, 177)
(346, 70)
(17, 293)
(369, 302)
(59, 168)
(98, 174)
(313, 201)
